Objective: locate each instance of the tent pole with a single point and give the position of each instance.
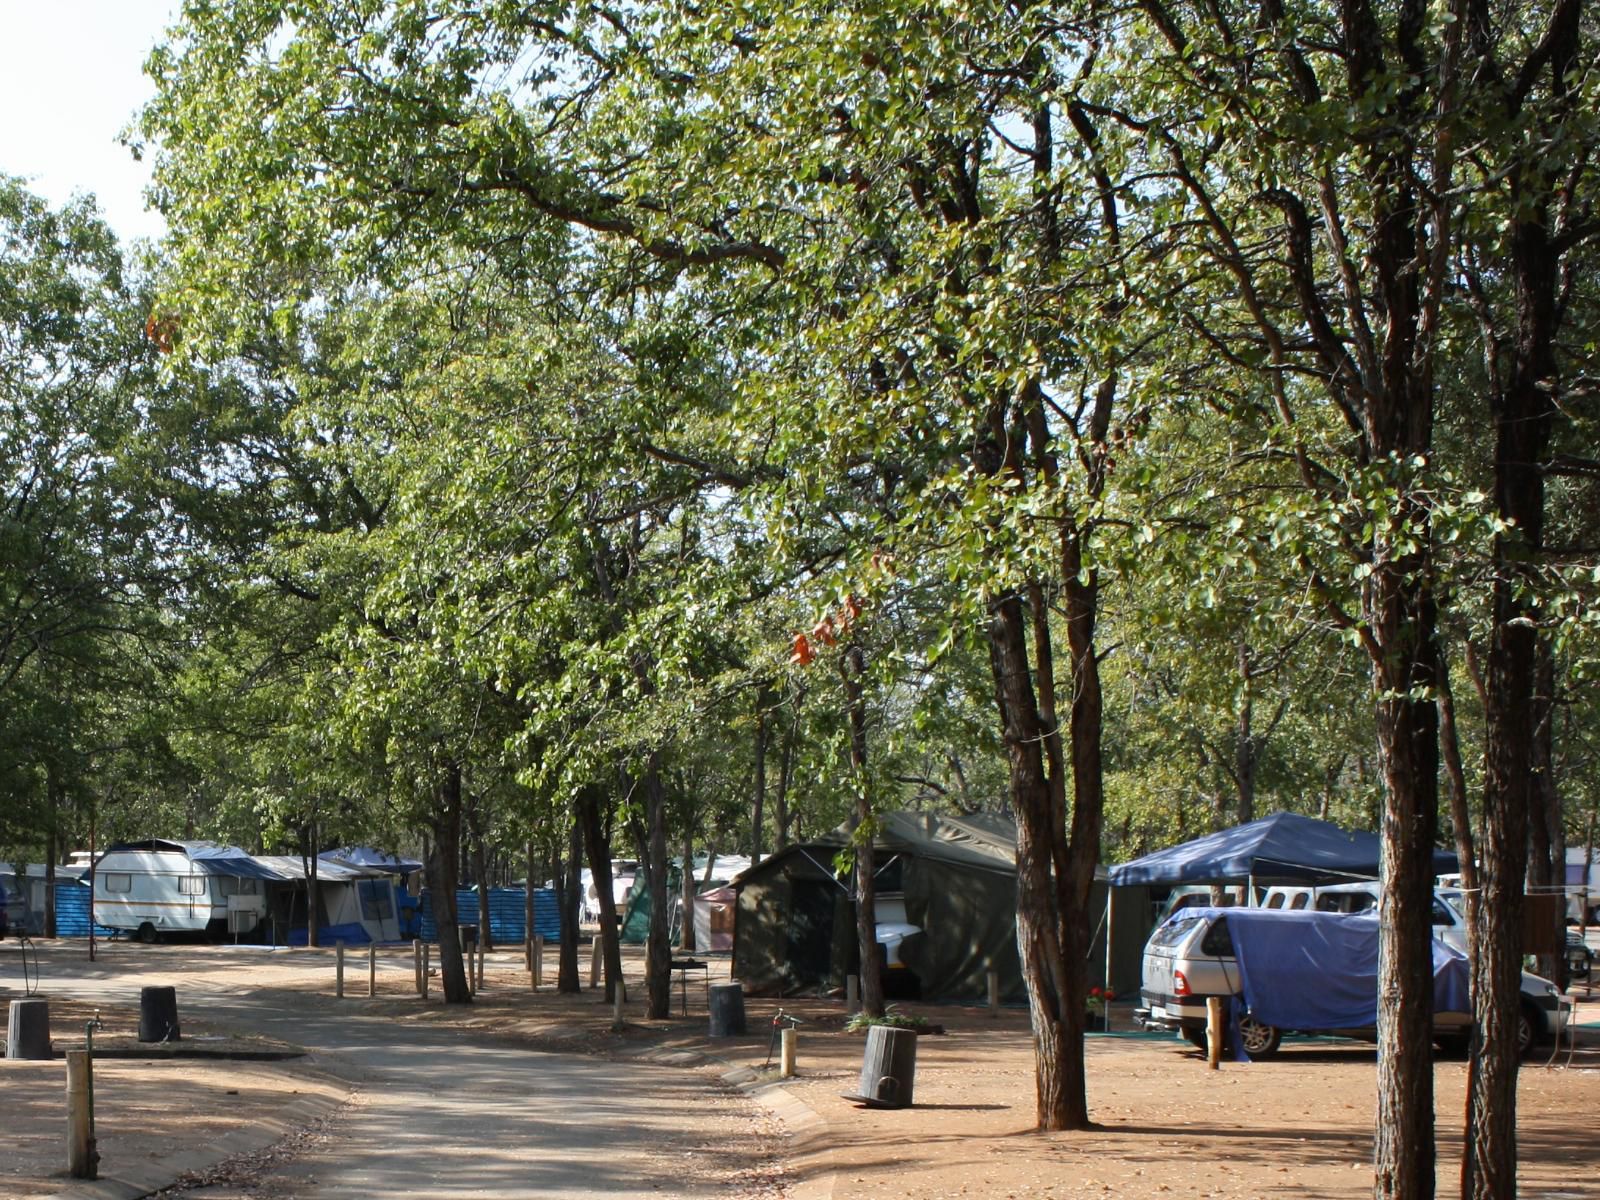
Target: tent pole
(1250, 900)
(1111, 929)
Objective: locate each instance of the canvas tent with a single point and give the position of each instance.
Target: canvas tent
(956, 878)
(1282, 848)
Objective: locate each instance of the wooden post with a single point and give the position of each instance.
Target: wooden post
(1214, 1032)
(852, 993)
(994, 992)
(787, 1055)
(416, 965)
(83, 1161)
(538, 961)
(594, 963)
(338, 970)
(427, 954)
(372, 969)
(481, 949)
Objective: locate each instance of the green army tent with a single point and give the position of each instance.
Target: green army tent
(955, 878)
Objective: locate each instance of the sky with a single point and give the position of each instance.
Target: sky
(71, 78)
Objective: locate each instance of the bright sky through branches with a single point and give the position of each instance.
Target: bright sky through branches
(71, 79)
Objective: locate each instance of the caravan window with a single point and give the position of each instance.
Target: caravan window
(118, 881)
(191, 885)
(232, 885)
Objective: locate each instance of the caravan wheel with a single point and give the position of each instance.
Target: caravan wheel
(147, 933)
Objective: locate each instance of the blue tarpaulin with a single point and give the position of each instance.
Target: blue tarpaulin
(366, 856)
(1316, 970)
(507, 914)
(1284, 847)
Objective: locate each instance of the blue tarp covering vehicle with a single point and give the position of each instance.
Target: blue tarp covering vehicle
(1315, 970)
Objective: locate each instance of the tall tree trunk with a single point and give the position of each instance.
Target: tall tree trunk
(443, 864)
(758, 804)
(598, 847)
(569, 900)
(1523, 416)
(313, 885)
(1546, 847)
(1245, 746)
(51, 849)
(480, 870)
(1460, 815)
(1402, 621)
(780, 801)
(688, 893)
(853, 665)
(658, 942)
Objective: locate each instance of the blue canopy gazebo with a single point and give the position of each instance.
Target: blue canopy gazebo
(1282, 848)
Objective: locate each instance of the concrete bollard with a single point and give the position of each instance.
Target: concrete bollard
(416, 964)
(338, 970)
(83, 1161)
(852, 993)
(480, 964)
(427, 954)
(595, 956)
(28, 1029)
(372, 969)
(538, 961)
(786, 1056)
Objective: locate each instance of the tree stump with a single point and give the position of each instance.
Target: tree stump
(158, 1014)
(888, 1068)
(28, 1029)
(727, 1010)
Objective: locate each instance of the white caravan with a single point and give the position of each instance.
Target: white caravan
(154, 887)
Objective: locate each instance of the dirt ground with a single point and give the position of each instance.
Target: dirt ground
(1297, 1126)
(146, 1109)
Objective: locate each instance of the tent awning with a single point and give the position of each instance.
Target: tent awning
(1284, 847)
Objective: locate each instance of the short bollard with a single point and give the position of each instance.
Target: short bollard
(416, 964)
(727, 1010)
(158, 1014)
(372, 969)
(338, 970)
(427, 968)
(1215, 1032)
(888, 1068)
(786, 1056)
(83, 1161)
(538, 962)
(28, 1029)
(594, 962)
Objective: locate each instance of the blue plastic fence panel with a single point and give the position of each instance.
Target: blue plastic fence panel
(507, 912)
(72, 912)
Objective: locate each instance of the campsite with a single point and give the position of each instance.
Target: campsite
(856, 517)
(1298, 1126)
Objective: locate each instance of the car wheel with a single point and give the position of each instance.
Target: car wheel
(1195, 1037)
(147, 933)
(1528, 1030)
(1260, 1041)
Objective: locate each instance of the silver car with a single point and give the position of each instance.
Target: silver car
(1190, 958)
